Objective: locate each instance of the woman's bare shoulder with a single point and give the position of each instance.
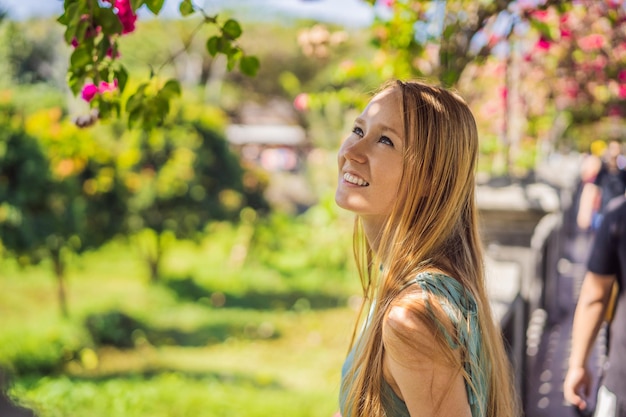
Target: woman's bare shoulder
(415, 319)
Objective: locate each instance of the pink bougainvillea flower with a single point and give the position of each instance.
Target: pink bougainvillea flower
(599, 63)
(591, 42)
(106, 87)
(543, 44)
(385, 3)
(89, 92)
(621, 76)
(621, 93)
(570, 88)
(113, 55)
(614, 3)
(128, 22)
(126, 15)
(540, 15)
(566, 33)
(301, 102)
(619, 51)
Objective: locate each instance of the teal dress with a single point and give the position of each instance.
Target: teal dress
(461, 310)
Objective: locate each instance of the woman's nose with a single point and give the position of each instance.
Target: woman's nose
(353, 150)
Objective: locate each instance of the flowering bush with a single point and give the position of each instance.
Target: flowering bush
(93, 28)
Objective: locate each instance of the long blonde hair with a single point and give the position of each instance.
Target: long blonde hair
(432, 226)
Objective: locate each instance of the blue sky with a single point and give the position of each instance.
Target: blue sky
(348, 12)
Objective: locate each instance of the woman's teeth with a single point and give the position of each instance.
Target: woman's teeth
(355, 180)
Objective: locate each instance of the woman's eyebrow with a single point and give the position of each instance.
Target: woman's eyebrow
(392, 130)
(360, 121)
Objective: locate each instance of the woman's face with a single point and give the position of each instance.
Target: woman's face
(370, 159)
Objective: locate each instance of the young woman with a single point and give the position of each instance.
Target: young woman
(428, 346)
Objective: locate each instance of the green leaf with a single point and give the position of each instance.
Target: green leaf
(78, 71)
(170, 89)
(116, 107)
(76, 82)
(449, 77)
(104, 74)
(233, 57)
(232, 29)
(160, 109)
(449, 31)
(69, 15)
(155, 6)
(80, 29)
(104, 108)
(109, 22)
(543, 28)
(562, 7)
(103, 47)
(224, 46)
(249, 65)
(212, 45)
(136, 100)
(135, 4)
(134, 117)
(70, 19)
(63, 19)
(81, 57)
(122, 76)
(69, 34)
(230, 64)
(186, 8)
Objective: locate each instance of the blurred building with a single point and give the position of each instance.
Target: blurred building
(270, 138)
(272, 147)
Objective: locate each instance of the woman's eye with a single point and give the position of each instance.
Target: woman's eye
(358, 131)
(385, 140)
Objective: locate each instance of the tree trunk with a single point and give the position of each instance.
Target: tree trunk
(154, 259)
(59, 273)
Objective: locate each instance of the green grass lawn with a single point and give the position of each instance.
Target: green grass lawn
(190, 359)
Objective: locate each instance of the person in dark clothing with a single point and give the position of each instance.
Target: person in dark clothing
(606, 265)
(610, 182)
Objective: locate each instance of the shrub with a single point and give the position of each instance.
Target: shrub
(113, 328)
(39, 352)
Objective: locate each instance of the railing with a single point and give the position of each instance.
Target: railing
(523, 245)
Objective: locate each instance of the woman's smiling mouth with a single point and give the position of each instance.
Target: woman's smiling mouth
(352, 179)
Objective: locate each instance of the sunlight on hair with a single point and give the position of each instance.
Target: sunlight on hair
(430, 98)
